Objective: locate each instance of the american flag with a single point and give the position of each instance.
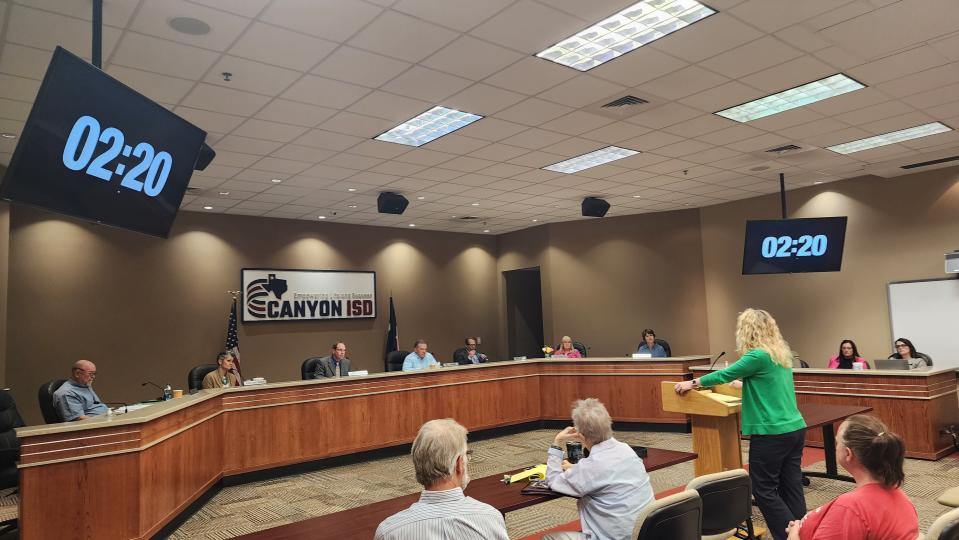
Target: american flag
(233, 342)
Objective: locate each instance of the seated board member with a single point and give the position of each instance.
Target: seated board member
(877, 509)
(75, 399)
(224, 375)
(419, 358)
(441, 461)
(905, 350)
(566, 349)
(334, 365)
(848, 355)
(649, 345)
(469, 355)
(612, 483)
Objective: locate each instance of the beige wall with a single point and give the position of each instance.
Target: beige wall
(606, 280)
(898, 230)
(149, 309)
(4, 272)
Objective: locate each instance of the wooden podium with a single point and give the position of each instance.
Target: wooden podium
(715, 419)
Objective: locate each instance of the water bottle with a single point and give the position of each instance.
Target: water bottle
(167, 393)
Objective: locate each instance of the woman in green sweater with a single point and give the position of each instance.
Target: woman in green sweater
(769, 416)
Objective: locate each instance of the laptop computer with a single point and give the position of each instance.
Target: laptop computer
(892, 363)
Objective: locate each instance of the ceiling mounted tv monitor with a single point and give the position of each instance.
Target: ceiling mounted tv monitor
(95, 149)
(778, 246)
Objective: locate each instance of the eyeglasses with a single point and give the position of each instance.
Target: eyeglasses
(90, 373)
(901, 345)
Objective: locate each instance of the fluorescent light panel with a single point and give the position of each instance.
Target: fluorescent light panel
(631, 28)
(890, 138)
(592, 159)
(428, 126)
(835, 85)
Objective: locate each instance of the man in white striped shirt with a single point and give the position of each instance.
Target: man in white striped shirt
(612, 484)
(441, 458)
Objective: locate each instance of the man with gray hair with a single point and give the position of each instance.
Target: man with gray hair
(612, 484)
(75, 399)
(440, 458)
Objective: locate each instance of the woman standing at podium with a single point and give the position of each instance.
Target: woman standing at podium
(769, 416)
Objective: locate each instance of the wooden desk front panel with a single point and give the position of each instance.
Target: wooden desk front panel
(916, 408)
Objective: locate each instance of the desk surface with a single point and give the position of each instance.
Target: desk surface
(361, 523)
(817, 414)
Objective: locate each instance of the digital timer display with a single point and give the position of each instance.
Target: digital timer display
(794, 245)
(95, 149)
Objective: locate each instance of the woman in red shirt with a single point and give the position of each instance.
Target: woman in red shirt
(874, 457)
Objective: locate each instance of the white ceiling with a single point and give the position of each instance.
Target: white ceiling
(314, 80)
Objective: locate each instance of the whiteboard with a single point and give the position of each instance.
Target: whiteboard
(927, 313)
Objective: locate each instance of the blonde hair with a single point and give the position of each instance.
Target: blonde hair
(757, 329)
(436, 448)
(592, 421)
(562, 345)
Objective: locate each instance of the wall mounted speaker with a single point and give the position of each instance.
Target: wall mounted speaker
(595, 207)
(391, 203)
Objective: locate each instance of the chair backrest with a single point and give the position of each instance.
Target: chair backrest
(394, 360)
(677, 517)
(45, 397)
(309, 367)
(946, 527)
(10, 419)
(579, 346)
(194, 380)
(924, 356)
(462, 351)
(665, 345)
(726, 499)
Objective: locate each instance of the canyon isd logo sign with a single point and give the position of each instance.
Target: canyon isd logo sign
(307, 295)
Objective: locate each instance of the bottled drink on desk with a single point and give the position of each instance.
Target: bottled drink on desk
(167, 393)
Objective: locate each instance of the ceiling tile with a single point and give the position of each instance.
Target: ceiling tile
(357, 124)
(18, 88)
(72, 34)
(115, 13)
(505, 170)
(483, 99)
(224, 100)
(683, 148)
(325, 92)
(246, 8)
(573, 147)
(492, 129)
(882, 31)
(533, 112)
(639, 66)
(360, 67)
(403, 37)
(851, 101)
(379, 149)
(531, 76)
(251, 76)
(682, 83)
(537, 159)
(839, 58)
(929, 79)
(153, 18)
(389, 106)
(471, 58)
(699, 125)
(300, 153)
(335, 20)
(511, 27)
(664, 115)
(24, 61)
(615, 132)
(583, 90)
(789, 74)
(319, 138)
(271, 131)
(708, 37)
(16, 110)
(423, 156)
(277, 46)
(456, 144)
(772, 15)
(154, 86)
(426, 84)
(247, 145)
(897, 65)
(577, 122)
(751, 57)
(285, 166)
(292, 112)
(209, 121)
(467, 164)
(456, 14)
(793, 117)
(164, 57)
(534, 139)
(803, 37)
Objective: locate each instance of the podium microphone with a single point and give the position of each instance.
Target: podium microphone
(160, 388)
(710, 365)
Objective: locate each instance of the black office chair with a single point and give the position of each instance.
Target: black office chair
(309, 367)
(727, 503)
(924, 356)
(45, 397)
(10, 419)
(579, 346)
(676, 517)
(461, 353)
(194, 380)
(665, 345)
(394, 360)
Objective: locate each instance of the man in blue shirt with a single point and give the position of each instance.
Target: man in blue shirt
(419, 358)
(75, 399)
(649, 345)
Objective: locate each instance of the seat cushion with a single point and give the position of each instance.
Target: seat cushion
(950, 497)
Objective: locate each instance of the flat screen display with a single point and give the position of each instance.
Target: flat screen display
(95, 149)
(778, 246)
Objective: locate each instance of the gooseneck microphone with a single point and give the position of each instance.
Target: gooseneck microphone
(158, 387)
(716, 360)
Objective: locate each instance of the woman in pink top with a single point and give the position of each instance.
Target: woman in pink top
(877, 509)
(848, 353)
(566, 349)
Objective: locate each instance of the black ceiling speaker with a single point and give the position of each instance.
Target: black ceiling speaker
(595, 207)
(204, 158)
(391, 203)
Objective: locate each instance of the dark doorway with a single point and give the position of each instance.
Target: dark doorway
(524, 312)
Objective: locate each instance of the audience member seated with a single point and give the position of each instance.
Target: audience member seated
(224, 376)
(877, 509)
(906, 351)
(419, 358)
(334, 365)
(649, 345)
(611, 484)
(566, 349)
(848, 354)
(75, 399)
(468, 354)
(441, 461)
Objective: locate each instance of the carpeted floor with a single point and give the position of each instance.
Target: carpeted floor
(262, 505)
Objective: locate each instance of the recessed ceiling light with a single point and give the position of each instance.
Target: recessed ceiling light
(275, 180)
(428, 126)
(208, 208)
(351, 206)
(592, 159)
(475, 204)
(890, 138)
(453, 216)
(631, 28)
(8, 135)
(351, 189)
(535, 220)
(189, 25)
(817, 182)
(322, 217)
(799, 96)
(485, 230)
(412, 224)
(637, 196)
(421, 198)
(224, 193)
